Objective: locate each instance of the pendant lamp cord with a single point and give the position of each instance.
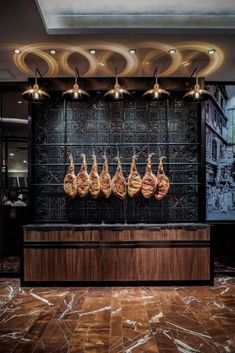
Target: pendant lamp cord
(195, 71)
(155, 74)
(116, 75)
(37, 72)
(76, 75)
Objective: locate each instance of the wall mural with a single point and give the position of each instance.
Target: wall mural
(220, 153)
(123, 128)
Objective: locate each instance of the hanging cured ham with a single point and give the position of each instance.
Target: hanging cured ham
(83, 180)
(118, 181)
(134, 180)
(163, 183)
(94, 187)
(149, 181)
(105, 179)
(70, 182)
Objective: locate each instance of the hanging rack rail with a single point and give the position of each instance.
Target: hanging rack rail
(120, 144)
(61, 184)
(123, 163)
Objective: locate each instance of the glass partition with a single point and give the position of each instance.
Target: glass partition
(14, 177)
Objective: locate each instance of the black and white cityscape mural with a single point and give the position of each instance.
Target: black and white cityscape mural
(220, 153)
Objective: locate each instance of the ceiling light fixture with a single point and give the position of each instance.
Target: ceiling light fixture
(197, 94)
(19, 101)
(17, 51)
(75, 93)
(11, 154)
(211, 51)
(36, 94)
(156, 93)
(132, 51)
(172, 51)
(92, 51)
(117, 93)
(53, 51)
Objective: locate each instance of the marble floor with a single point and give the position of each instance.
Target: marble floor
(118, 319)
(224, 265)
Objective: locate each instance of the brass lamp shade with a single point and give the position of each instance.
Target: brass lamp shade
(36, 94)
(75, 94)
(117, 93)
(197, 94)
(156, 93)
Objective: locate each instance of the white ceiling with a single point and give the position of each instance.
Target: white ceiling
(69, 16)
(22, 27)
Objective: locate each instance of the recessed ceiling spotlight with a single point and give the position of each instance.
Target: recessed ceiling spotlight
(92, 51)
(24, 161)
(172, 51)
(211, 51)
(11, 154)
(132, 51)
(53, 51)
(19, 101)
(17, 51)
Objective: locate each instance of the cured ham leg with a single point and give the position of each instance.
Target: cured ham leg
(134, 179)
(83, 179)
(94, 187)
(105, 179)
(149, 181)
(118, 181)
(70, 182)
(163, 183)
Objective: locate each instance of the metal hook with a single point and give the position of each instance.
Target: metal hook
(105, 150)
(159, 147)
(117, 150)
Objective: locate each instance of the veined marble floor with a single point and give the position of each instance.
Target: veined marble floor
(118, 319)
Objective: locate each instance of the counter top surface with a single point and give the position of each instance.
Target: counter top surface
(117, 226)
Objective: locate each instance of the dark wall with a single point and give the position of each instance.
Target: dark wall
(223, 239)
(170, 129)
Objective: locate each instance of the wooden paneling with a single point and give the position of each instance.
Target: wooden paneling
(61, 265)
(111, 264)
(118, 235)
(120, 255)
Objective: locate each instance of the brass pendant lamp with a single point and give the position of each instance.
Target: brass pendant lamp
(75, 94)
(117, 93)
(156, 93)
(36, 94)
(197, 94)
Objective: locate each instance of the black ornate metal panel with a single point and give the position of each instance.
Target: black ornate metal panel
(169, 129)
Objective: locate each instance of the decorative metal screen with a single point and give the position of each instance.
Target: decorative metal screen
(169, 129)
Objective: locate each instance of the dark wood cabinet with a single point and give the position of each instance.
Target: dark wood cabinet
(150, 254)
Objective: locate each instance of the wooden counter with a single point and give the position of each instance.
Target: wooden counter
(65, 254)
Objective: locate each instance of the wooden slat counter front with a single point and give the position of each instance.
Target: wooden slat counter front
(67, 254)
